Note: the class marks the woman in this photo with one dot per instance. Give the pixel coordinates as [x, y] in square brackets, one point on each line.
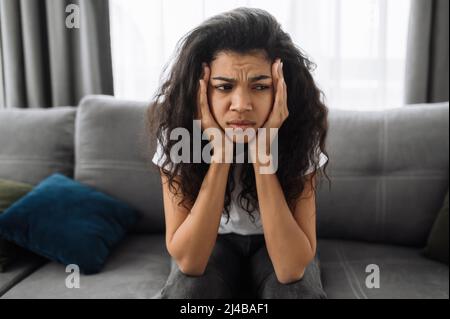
[230, 223]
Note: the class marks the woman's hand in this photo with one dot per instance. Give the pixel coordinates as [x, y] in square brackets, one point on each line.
[276, 117]
[209, 125]
[280, 110]
[203, 113]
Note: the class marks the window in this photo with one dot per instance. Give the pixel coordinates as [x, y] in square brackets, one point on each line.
[359, 46]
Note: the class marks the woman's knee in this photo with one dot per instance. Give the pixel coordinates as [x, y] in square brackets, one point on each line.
[210, 285]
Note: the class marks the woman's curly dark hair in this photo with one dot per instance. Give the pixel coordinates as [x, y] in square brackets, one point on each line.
[300, 138]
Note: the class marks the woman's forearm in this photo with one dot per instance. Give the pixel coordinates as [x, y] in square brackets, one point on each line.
[287, 244]
[194, 240]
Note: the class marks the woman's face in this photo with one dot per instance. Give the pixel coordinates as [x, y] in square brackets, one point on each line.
[240, 90]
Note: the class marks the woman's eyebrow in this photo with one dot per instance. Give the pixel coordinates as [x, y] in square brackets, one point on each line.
[252, 79]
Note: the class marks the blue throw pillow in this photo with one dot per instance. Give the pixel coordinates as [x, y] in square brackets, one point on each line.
[68, 222]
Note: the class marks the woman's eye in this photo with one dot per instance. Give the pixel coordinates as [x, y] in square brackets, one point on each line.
[261, 87]
[227, 87]
[224, 87]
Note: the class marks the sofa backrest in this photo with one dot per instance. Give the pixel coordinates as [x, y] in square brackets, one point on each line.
[112, 154]
[389, 169]
[389, 174]
[35, 143]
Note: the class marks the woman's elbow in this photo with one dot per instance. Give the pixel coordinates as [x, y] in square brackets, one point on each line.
[294, 274]
[191, 269]
[185, 263]
[292, 277]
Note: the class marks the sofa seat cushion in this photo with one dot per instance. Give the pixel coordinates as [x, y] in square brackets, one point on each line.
[138, 268]
[404, 271]
[24, 265]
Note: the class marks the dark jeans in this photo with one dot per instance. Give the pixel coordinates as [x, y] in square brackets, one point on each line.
[240, 267]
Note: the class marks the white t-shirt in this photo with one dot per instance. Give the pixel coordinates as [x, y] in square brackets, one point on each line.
[240, 221]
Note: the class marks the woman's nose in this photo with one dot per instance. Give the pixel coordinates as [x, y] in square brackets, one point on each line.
[241, 101]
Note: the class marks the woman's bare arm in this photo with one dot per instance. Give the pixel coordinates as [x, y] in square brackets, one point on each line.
[191, 235]
[290, 236]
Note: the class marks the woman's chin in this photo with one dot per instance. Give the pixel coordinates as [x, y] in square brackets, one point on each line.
[239, 136]
[240, 141]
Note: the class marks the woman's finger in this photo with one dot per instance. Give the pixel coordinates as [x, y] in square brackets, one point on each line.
[284, 86]
[280, 88]
[275, 80]
[285, 95]
[206, 72]
[200, 94]
[275, 76]
[198, 113]
[204, 90]
[204, 107]
[283, 92]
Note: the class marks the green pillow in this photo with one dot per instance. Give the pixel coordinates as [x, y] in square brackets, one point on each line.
[437, 246]
[10, 192]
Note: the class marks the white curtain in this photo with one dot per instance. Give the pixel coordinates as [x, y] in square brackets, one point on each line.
[359, 46]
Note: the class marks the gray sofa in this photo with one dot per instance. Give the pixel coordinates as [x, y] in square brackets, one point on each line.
[389, 173]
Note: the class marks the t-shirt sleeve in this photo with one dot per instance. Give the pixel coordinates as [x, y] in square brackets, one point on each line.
[159, 157]
[322, 160]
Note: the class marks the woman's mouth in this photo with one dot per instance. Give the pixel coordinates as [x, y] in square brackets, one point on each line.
[242, 124]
